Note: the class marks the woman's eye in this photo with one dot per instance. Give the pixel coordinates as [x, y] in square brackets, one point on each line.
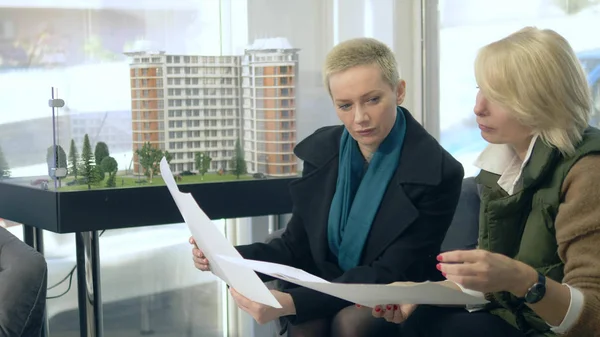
[344, 107]
[374, 100]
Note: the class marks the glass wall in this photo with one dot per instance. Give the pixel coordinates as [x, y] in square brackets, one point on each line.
[113, 65]
[88, 55]
[467, 25]
[149, 285]
[224, 89]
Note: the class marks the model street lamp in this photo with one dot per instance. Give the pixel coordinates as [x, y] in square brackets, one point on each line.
[56, 173]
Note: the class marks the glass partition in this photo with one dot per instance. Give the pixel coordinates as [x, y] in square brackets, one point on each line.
[134, 81]
[467, 25]
[223, 89]
[149, 284]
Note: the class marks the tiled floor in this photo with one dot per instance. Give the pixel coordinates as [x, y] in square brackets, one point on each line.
[187, 313]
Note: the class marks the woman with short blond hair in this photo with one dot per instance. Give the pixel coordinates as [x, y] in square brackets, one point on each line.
[538, 260]
[369, 208]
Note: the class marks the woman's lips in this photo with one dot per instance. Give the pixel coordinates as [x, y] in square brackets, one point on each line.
[365, 132]
[485, 128]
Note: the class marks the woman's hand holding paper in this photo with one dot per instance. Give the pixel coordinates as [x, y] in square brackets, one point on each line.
[200, 260]
[396, 313]
[263, 313]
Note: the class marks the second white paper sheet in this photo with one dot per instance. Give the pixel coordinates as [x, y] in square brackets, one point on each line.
[214, 245]
[368, 295]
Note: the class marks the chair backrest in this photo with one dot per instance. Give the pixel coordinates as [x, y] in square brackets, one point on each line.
[23, 281]
[464, 229]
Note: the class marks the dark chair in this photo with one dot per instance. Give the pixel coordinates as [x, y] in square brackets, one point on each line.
[464, 229]
[23, 281]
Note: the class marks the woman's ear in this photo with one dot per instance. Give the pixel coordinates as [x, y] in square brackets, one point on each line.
[400, 92]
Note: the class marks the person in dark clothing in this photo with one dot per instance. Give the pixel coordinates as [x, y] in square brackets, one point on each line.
[376, 197]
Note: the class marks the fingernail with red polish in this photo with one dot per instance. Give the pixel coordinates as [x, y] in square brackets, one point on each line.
[439, 267]
[377, 309]
[389, 307]
[358, 305]
[395, 307]
[440, 258]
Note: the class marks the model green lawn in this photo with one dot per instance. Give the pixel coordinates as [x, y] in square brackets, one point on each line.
[127, 182]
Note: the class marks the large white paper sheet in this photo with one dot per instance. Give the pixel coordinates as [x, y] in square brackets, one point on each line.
[214, 245]
[368, 295]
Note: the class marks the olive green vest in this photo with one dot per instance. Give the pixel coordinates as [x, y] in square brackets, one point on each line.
[521, 226]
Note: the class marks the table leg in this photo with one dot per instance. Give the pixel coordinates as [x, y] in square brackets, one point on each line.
[29, 235]
[88, 284]
[34, 237]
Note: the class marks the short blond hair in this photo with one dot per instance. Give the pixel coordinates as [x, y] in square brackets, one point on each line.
[360, 52]
[536, 75]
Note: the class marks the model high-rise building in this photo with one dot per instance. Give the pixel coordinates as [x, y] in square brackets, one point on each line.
[186, 104]
[270, 69]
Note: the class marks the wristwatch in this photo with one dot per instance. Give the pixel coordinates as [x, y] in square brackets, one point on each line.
[537, 290]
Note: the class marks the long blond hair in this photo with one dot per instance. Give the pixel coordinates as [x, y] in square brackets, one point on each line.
[536, 75]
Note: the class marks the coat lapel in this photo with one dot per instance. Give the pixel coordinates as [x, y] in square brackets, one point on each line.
[415, 172]
[312, 196]
[396, 214]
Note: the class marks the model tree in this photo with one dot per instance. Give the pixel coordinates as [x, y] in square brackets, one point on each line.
[238, 163]
[100, 153]
[56, 159]
[149, 158]
[4, 168]
[60, 158]
[168, 156]
[202, 163]
[88, 164]
[73, 160]
[110, 166]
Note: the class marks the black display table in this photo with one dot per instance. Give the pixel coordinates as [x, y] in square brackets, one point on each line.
[87, 212]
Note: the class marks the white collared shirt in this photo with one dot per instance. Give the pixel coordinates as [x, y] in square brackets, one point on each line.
[502, 159]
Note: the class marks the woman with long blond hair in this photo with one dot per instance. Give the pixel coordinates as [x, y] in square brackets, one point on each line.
[538, 260]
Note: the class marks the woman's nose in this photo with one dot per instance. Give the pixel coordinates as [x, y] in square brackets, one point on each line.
[480, 107]
[478, 111]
